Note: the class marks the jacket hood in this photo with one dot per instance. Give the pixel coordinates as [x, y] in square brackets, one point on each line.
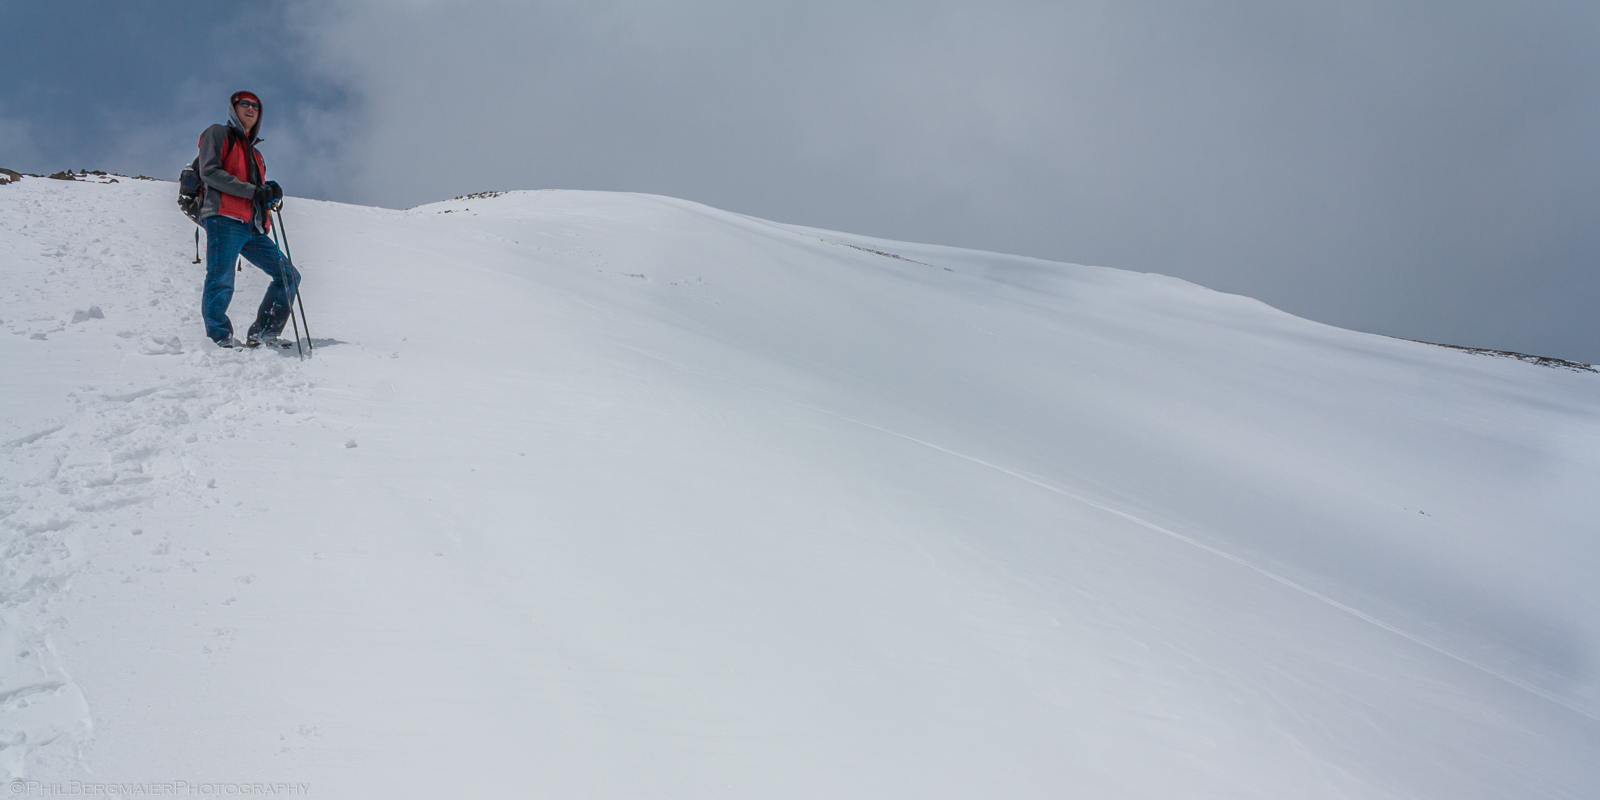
[233, 115]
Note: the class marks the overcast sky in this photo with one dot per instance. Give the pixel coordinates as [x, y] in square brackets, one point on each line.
[1426, 170]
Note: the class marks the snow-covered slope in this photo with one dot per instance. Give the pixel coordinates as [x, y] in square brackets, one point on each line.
[607, 495]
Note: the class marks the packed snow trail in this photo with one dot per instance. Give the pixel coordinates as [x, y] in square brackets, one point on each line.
[614, 495]
[84, 295]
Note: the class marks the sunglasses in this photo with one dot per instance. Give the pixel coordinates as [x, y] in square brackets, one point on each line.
[249, 104]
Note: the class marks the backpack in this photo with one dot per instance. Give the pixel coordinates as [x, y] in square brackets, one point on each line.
[191, 191]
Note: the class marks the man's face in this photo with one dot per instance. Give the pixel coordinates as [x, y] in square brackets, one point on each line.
[248, 110]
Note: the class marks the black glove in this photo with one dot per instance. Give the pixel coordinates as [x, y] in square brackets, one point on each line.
[269, 196]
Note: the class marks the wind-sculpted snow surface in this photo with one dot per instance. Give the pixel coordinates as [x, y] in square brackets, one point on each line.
[593, 494]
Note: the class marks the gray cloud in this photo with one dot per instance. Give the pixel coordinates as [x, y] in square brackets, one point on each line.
[128, 87]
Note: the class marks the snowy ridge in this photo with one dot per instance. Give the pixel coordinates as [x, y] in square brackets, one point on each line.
[600, 494]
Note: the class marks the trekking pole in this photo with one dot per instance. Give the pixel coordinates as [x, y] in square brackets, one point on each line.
[284, 276]
[303, 323]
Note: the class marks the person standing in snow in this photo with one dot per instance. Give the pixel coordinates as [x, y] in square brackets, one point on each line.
[236, 219]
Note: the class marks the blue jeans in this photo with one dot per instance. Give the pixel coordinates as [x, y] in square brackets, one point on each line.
[227, 239]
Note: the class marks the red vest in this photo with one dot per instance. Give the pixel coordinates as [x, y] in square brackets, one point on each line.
[239, 208]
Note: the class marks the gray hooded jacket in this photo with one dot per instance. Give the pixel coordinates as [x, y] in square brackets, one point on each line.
[219, 180]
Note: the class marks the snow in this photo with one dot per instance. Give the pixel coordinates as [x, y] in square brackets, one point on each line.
[593, 494]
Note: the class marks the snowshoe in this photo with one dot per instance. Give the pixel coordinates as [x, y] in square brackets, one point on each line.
[268, 340]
